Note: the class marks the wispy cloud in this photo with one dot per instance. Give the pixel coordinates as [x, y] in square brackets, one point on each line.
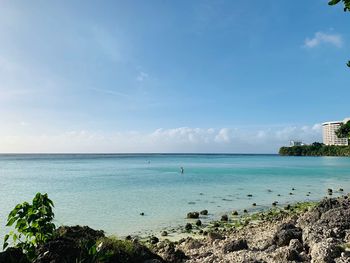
[327, 38]
[110, 92]
[142, 76]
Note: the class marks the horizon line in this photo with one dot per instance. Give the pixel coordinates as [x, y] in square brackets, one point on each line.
[135, 153]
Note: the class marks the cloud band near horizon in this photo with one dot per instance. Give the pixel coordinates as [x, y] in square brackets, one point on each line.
[179, 140]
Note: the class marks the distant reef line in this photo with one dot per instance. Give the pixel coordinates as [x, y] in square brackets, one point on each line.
[315, 149]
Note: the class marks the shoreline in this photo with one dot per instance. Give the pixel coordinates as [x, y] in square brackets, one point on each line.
[315, 232]
[177, 232]
[110, 193]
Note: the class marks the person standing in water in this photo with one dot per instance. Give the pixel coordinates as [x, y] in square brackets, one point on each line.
[182, 170]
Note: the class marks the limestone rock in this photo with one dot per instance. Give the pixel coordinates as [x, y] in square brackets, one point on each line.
[235, 245]
[285, 233]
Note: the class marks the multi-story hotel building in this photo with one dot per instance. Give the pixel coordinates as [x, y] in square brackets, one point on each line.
[329, 136]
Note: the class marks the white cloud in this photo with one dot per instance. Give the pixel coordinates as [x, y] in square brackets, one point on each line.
[317, 127]
[23, 123]
[183, 139]
[321, 37]
[224, 136]
[142, 76]
[110, 92]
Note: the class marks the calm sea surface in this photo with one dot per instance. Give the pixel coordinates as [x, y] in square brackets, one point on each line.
[110, 191]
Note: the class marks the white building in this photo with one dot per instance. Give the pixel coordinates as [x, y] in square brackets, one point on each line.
[295, 143]
[329, 136]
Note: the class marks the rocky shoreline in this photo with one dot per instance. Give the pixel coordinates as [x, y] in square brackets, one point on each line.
[304, 232]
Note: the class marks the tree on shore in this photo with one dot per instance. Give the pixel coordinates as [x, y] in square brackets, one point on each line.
[315, 149]
[346, 8]
[344, 130]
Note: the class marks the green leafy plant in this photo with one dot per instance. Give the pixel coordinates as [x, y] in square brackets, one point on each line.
[32, 222]
[105, 249]
[111, 249]
[345, 2]
[346, 8]
[97, 255]
[344, 130]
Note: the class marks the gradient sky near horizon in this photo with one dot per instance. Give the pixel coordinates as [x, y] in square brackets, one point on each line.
[170, 76]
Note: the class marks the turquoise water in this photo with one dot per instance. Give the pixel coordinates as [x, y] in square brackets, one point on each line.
[110, 191]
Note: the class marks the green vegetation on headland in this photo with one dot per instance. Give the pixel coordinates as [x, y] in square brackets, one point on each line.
[344, 130]
[315, 149]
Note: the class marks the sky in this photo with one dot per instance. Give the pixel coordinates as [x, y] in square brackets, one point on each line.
[170, 76]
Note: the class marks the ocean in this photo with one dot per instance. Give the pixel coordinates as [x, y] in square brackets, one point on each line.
[109, 191]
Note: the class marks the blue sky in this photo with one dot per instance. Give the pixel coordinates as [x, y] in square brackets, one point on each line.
[170, 76]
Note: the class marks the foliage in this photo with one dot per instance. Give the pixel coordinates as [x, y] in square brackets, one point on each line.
[34, 233]
[111, 249]
[91, 253]
[344, 130]
[32, 222]
[315, 149]
[345, 2]
[346, 8]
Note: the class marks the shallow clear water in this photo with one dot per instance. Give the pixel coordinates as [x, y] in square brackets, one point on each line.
[109, 191]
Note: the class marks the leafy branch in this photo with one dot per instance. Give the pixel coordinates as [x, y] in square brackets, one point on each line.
[346, 4]
[32, 222]
[346, 8]
[344, 130]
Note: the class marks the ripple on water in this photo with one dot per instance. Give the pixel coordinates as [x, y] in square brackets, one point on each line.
[80, 185]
